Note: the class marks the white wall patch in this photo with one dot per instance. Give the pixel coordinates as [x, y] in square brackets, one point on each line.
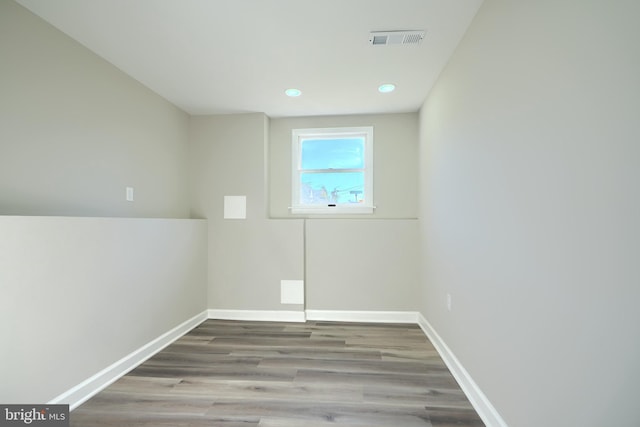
[235, 207]
[292, 292]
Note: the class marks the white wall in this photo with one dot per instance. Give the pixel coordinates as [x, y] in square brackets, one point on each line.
[75, 130]
[247, 257]
[530, 209]
[362, 265]
[79, 294]
[364, 262]
[238, 155]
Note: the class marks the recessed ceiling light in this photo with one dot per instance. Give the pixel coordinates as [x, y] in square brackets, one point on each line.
[386, 88]
[293, 92]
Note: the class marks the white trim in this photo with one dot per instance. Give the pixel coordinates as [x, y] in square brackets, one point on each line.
[258, 315]
[335, 210]
[363, 316]
[82, 392]
[480, 402]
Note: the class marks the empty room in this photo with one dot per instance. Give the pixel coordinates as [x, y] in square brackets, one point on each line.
[349, 213]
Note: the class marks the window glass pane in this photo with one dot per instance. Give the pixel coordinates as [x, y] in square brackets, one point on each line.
[329, 188]
[342, 153]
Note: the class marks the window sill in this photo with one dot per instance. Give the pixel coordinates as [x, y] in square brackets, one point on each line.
[331, 210]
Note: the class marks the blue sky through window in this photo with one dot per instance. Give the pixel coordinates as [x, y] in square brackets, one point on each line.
[343, 153]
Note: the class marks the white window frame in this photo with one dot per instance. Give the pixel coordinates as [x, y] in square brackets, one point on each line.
[367, 206]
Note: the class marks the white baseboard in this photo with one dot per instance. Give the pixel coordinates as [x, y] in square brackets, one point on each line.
[258, 315]
[77, 395]
[480, 403]
[363, 316]
[321, 315]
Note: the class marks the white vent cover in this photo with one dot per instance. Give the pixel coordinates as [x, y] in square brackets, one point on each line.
[383, 38]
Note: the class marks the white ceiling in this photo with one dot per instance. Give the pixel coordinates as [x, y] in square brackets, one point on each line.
[231, 56]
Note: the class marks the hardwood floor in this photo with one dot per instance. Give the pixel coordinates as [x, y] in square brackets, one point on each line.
[267, 374]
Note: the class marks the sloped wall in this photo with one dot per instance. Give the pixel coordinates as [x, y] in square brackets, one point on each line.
[75, 131]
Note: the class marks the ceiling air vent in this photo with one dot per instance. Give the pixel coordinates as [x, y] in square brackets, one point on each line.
[383, 38]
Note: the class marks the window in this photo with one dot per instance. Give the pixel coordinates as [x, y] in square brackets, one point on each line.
[332, 171]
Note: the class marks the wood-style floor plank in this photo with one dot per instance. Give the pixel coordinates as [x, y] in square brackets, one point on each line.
[270, 374]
